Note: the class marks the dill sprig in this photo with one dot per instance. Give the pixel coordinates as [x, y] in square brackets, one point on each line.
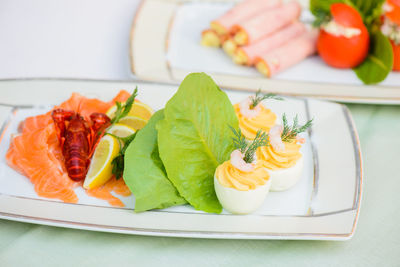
[259, 97]
[249, 149]
[289, 133]
[118, 162]
[124, 109]
[261, 139]
[239, 141]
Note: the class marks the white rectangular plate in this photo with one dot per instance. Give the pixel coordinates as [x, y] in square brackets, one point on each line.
[165, 46]
[323, 205]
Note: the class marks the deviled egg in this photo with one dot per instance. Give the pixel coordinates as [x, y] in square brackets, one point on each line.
[253, 115]
[284, 167]
[241, 183]
[282, 158]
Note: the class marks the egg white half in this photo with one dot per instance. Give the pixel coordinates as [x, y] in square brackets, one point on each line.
[283, 179]
[241, 202]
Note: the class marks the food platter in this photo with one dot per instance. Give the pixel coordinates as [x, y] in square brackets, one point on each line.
[173, 50]
[324, 205]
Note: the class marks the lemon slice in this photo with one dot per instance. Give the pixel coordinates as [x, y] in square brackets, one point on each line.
[133, 122]
[121, 130]
[100, 170]
[138, 109]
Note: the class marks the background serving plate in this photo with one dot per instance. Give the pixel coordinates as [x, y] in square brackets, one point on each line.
[165, 46]
[323, 205]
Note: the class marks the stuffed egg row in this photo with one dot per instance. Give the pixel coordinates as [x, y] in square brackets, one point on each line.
[268, 157]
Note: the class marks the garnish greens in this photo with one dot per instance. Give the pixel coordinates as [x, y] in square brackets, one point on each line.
[321, 17]
[248, 150]
[289, 133]
[239, 140]
[122, 111]
[379, 62]
[255, 100]
[370, 10]
[118, 162]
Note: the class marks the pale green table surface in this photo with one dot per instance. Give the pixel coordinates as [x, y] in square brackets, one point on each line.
[375, 243]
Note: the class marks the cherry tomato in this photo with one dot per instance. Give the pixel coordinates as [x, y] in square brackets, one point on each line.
[394, 14]
[396, 56]
[340, 51]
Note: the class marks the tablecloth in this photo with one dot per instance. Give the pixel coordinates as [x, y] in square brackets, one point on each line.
[81, 39]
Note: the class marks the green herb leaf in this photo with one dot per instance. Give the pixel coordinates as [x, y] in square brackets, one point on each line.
[261, 139]
[321, 17]
[194, 138]
[289, 133]
[370, 10]
[259, 97]
[324, 6]
[379, 62]
[145, 173]
[118, 166]
[123, 110]
[239, 141]
[118, 162]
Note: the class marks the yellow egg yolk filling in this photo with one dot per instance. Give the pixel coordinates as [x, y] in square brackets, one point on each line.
[274, 160]
[229, 176]
[249, 126]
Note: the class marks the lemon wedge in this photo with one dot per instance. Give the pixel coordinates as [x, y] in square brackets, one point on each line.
[138, 109]
[121, 130]
[133, 122]
[100, 170]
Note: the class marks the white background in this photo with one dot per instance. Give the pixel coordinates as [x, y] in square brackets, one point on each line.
[69, 39]
[90, 39]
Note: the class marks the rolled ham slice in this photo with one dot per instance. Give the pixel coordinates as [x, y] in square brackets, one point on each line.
[212, 39]
[246, 55]
[252, 30]
[240, 12]
[287, 55]
[229, 46]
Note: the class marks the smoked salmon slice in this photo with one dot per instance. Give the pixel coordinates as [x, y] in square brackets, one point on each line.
[86, 106]
[104, 192]
[36, 153]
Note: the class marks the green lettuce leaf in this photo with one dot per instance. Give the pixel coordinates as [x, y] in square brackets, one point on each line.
[379, 62]
[194, 138]
[144, 171]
